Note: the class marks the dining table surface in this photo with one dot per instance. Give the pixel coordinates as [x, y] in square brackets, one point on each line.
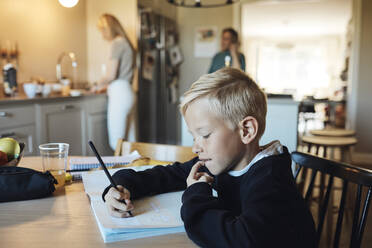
[64, 219]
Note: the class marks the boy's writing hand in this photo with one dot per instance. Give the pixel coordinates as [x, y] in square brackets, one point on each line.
[114, 202]
[196, 177]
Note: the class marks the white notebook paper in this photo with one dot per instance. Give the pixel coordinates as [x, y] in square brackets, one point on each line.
[155, 215]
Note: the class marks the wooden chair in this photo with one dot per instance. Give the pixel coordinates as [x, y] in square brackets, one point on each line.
[348, 174]
[343, 144]
[169, 153]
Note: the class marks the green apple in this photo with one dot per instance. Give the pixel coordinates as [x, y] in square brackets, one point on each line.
[10, 146]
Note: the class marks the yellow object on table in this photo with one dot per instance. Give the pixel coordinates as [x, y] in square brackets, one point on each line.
[68, 177]
[144, 161]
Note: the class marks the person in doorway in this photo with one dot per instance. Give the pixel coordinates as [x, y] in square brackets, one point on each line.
[229, 55]
[117, 81]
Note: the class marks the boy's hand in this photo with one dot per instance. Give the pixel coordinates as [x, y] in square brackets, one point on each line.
[114, 202]
[196, 177]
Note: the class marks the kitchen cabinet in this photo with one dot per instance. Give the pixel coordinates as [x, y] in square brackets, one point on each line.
[18, 122]
[72, 120]
[96, 126]
[63, 123]
[16, 115]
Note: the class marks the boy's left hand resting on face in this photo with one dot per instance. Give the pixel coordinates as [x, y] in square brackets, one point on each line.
[197, 177]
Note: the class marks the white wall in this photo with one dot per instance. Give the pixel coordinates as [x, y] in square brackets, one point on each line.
[360, 90]
[192, 68]
[188, 19]
[43, 30]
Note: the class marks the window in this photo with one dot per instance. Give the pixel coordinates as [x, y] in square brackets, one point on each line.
[302, 67]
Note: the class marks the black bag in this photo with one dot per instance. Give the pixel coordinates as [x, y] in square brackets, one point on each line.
[17, 184]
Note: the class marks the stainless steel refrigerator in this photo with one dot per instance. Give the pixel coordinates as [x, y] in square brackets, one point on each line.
[158, 117]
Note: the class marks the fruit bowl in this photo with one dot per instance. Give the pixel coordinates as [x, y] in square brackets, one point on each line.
[14, 162]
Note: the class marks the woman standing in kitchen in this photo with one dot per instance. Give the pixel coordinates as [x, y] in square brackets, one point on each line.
[117, 81]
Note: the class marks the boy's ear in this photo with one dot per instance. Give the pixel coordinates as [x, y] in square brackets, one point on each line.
[248, 129]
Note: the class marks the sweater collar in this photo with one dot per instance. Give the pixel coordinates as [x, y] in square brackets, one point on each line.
[270, 149]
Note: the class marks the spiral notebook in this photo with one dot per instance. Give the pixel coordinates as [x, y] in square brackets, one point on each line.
[87, 163]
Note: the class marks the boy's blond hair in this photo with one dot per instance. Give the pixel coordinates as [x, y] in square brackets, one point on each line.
[233, 95]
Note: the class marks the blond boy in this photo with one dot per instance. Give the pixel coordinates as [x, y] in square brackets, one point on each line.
[257, 203]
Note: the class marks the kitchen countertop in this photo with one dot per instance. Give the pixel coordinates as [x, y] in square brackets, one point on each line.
[22, 98]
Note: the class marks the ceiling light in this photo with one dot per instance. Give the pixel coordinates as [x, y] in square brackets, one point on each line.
[68, 3]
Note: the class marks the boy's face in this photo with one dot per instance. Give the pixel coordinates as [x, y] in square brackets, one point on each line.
[215, 142]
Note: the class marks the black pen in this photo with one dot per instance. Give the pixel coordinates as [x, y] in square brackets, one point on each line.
[113, 184]
[78, 170]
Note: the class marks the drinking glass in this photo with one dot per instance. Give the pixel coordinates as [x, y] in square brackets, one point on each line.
[54, 157]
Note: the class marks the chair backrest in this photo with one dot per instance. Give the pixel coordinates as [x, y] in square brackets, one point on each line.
[170, 153]
[348, 174]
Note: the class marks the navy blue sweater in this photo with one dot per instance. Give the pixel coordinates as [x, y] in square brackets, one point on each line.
[261, 208]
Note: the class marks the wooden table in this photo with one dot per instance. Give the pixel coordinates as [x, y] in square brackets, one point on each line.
[63, 220]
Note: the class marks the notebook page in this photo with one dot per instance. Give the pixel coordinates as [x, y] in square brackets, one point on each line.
[96, 181]
[159, 211]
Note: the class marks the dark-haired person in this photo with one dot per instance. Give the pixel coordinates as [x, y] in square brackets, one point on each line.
[229, 56]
